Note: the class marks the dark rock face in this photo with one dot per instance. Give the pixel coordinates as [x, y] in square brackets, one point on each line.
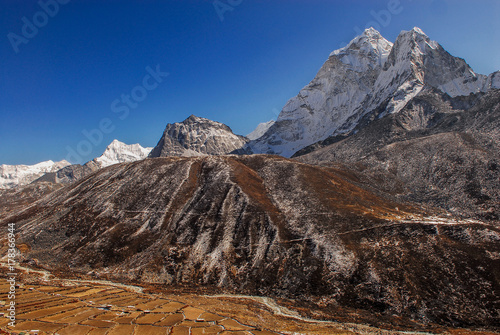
[444, 150]
[269, 226]
[76, 172]
[70, 173]
[197, 136]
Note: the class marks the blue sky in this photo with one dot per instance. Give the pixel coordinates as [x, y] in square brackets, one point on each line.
[241, 70]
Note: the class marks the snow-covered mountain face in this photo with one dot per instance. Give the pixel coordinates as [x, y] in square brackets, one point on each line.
[260, 130]
[337, 92]
[197, 136]
[12, 176]
[119, 152]
[368, 76]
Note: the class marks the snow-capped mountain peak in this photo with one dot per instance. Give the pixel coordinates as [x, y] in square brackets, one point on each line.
[370, 44]
[420, 37]
[369, 37]
[368, 76]
[119, 152]
[413, 43]
[419, 59]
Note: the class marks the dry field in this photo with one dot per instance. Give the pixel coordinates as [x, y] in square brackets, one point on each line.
[49, 305]
[100, 309]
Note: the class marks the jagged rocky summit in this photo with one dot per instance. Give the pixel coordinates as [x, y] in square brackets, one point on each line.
[197, 136]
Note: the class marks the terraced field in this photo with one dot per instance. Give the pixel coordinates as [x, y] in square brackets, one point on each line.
[101, 309]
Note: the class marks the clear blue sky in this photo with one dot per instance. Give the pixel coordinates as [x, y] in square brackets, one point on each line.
[240, 71]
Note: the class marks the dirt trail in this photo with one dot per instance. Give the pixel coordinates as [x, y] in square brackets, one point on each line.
[46, 275]
[282, 311]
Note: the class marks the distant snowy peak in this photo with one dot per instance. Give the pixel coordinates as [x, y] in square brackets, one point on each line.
[260, 130]
[12, 176]
[119, 152]
[197, 136]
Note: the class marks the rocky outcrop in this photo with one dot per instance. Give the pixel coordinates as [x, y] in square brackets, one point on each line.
[197, 136]
[71, 173]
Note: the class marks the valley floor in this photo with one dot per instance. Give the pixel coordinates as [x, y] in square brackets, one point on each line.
[49, 305]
